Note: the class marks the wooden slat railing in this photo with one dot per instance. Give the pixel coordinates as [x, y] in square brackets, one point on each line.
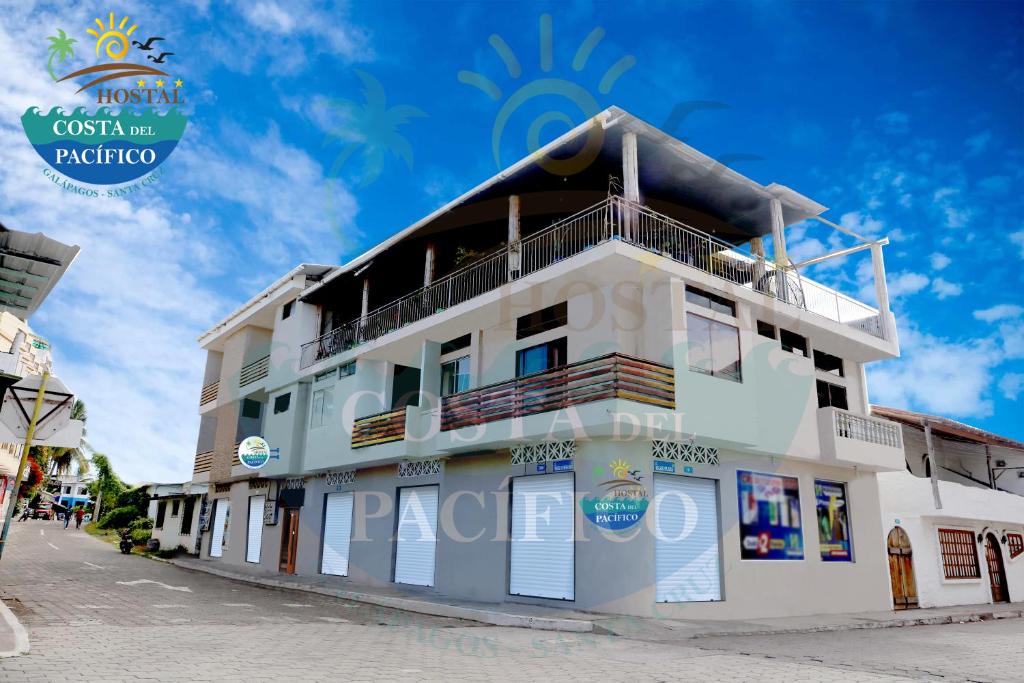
[204, 461]
[254, 371]
[209, 393]
[380, 428]
[615, 375]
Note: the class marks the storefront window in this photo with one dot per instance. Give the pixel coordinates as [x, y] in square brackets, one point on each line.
[770, 524]
[833, 521]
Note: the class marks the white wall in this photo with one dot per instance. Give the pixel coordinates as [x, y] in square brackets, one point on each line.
[907, 501]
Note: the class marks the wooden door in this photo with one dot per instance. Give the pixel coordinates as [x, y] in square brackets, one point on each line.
[289, 539]
[996, 575]
[901, 570]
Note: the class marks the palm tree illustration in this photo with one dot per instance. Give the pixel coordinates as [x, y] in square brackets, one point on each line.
[371, 128]
[60, 47]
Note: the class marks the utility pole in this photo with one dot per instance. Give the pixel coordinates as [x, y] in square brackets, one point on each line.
[24, 459]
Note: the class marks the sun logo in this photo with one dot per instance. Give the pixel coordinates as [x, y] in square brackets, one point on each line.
[620, 468]
[116, 39]
[576, 94]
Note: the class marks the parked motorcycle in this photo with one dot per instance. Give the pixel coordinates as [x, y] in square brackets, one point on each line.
[126, 542]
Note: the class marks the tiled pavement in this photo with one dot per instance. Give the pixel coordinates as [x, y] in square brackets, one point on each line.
[93, 614]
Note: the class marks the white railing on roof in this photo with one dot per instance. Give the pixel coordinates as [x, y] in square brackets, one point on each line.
[614, 218]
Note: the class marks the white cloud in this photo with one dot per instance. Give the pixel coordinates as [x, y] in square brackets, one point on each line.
[865, 226]
[1011, 385]
[999, 312]
[976, 144]
[906, 283]
[944, 289]
[939, 261]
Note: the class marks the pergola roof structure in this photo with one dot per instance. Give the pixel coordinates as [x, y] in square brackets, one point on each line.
[30, 266]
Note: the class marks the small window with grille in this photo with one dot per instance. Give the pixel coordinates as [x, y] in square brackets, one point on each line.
[959, 554]
[1015, 543]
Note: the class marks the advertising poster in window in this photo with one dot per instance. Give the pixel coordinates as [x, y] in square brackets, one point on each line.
[833, 521]
[770, 525]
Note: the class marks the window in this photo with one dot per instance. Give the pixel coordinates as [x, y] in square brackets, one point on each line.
[186, 516]
[251, 408]
[456, 344]
[714, 347]
[826, 362]
[323, 405]
[959, 554]
[543, 320]
[455, 376]
[1015, 542]
[175, 507]
[793, 342]
[831, 395]
[348, 369]
[540, 357]
[282, 403]
[716, 303]
[765, 330]
[67, 489]
[161, 512]
[286, 310]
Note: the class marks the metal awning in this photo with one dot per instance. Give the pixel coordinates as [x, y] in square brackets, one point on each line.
[30, 266]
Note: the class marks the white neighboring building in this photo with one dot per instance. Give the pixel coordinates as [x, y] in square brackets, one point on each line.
[175, 511]
[955, 520]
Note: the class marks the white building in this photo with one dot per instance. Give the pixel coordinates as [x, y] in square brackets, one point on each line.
[175, 511]
[955, 518]
[555, 392]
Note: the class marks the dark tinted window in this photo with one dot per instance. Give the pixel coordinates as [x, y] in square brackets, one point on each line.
[250, 408]
[161, 512]
[282, 402]
[765, 330]
[793, 342]
[540, 357]
[826, 362]
[543, 320]
[831, 395]
[716, 303]
[456, 344]
[287, 310]
[186, 517]
[175, 507]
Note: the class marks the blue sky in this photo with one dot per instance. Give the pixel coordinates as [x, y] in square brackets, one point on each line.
[904, 118]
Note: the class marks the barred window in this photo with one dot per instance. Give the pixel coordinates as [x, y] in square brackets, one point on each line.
[1016, 544]
[959, 554]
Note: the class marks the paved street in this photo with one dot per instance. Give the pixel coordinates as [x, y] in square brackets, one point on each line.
[94, 614]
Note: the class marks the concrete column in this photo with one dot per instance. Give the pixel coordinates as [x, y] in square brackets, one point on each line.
[757, 275]
[366, 299]
[778, 233]
[933, 464]
[515, 252]
[428, 266]
[881, 289]
[630, 170]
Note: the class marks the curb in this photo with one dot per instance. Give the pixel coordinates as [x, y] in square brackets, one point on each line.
[492, 617]
[21, 644]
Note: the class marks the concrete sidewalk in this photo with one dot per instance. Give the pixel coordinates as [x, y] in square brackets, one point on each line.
[13, 636]
[425, 601]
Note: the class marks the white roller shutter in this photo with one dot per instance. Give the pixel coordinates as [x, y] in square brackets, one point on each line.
[220, 514]
[417, 536]
[543, 556]
[254, 534]
[686, 539]
[337, 533]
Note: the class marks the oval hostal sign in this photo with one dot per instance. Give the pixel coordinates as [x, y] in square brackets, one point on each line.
[253, 452]
[624, 502]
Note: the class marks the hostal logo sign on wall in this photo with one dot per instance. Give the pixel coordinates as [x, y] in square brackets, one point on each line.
[624, 502]
[133, 75]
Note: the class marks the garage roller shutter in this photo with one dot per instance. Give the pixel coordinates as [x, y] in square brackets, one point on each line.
[220, 514]
[254, 534]
[686, 543]
[543, 563]
[417, 536]
[337, 534]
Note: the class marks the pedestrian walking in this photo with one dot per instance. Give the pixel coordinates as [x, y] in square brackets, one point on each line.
[79, 513]
[25, 513]
[67, 517]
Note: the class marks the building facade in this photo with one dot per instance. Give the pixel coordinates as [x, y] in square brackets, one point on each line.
[175, 510]
[556, 391]
[954, 518]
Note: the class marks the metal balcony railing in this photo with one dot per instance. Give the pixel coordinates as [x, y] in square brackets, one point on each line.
[615, 375]
[868, 429]
[614, 218]
[254, 371]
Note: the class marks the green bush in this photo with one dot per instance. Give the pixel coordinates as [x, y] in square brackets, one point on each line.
[141, 523]
[118, 518]
[140, 536]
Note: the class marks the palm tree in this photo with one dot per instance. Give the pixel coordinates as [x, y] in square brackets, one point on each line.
[60, 47]
[372, 127]
[61, 459]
